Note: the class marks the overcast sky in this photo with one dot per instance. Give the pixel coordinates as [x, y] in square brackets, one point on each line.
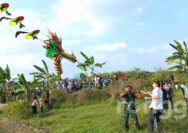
[124, 33]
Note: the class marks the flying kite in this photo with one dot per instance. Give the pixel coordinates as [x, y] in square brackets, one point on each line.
[14, 21]
[32, 34]
[55, 51]
[4, 7]
[53, 45]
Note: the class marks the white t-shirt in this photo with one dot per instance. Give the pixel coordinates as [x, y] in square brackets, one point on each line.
[157, 103]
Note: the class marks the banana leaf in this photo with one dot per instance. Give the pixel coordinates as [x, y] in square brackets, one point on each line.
[84, 55]
[82, 67]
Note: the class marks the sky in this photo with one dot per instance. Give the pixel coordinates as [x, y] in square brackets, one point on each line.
[124, 33]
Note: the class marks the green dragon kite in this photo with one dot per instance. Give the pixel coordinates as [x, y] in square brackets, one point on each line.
[55, 51]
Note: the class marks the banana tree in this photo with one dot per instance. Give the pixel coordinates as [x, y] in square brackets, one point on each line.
[42, 73]
[179, 57]
[2, 85]
[5, 83]
[22, 82]
[90, 64]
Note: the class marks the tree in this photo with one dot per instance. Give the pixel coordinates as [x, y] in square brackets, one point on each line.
[42, 74]
[5, 82]
[179, 57]
[23, 84]
[89, 63]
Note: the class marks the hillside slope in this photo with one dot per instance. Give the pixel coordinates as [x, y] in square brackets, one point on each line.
[105, 117]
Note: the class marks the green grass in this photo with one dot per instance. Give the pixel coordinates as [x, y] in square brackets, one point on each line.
[102, 117]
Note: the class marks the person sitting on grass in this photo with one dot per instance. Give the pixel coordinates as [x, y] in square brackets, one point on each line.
[34, 105]
[156, 107]
[184, 91]
[130, 109]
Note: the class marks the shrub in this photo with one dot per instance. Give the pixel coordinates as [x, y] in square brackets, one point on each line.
[58, 96]
[18, 109]
[88, 96]
[93, 95]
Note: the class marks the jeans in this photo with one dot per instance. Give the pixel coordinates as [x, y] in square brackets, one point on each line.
[47, 104]
[170, 99]
[34, 109]
[154, 114]
[42, 109]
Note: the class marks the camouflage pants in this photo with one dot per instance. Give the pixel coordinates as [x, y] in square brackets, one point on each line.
[131, 113]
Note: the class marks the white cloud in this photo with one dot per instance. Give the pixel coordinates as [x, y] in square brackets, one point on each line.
[105, 48]
[9, 45]
[140, 23]
[98, 28]
[145, 58]
[171, 5]
[140, 10]
[71, 42]
[68, 13]
[20, 61]
[71, 11]
[150, 50]
[121, 56]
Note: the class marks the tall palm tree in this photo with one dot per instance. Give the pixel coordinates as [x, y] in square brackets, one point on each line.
[42, 74]
[179, 57]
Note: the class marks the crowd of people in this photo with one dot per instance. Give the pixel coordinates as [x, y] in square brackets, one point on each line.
[71, 85]
[161, 101]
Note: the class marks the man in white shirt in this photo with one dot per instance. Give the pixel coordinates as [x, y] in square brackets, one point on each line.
[156, 106]
[184, 91]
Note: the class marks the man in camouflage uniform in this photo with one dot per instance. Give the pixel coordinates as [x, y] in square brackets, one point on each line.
[130, 108]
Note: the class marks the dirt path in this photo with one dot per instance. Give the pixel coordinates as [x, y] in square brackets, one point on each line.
[2, 106]
[10, 126]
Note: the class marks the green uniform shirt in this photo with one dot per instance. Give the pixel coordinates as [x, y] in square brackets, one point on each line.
[130, 102]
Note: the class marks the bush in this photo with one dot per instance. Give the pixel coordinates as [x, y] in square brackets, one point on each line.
[18, 109]
[58, 96]
[93, 95]
[184, 79]
[87, 96]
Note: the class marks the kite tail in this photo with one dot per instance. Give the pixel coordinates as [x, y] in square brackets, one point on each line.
[57, 63]
[70, 57]
[8, 13]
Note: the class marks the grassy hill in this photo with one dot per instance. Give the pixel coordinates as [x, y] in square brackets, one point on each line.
[103, 117]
